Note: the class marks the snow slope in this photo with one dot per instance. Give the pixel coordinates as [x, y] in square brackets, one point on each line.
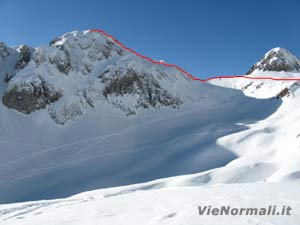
[110, 149]
[166, 204]
[271, 146]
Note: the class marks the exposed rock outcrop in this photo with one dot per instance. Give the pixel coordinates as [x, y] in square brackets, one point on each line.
[24, 57]
[61, 60]
[148, 90]
[28, 97]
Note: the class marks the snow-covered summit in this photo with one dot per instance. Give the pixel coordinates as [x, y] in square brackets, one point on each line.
[277, 59]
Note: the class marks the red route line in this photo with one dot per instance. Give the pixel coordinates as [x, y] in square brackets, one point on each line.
[186, 73]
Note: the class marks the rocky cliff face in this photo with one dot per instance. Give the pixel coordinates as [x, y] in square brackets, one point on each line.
[28, 97]
[144, 86]
[24, 57]
[80, 69]
[277, 59]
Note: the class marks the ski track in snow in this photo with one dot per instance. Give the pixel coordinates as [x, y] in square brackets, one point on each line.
[98, 139]
[95, 140]
[84, 150]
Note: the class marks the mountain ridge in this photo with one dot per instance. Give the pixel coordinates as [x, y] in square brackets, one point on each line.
[33, 82]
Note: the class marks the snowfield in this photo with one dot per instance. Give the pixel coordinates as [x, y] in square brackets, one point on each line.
[142, 143]
[160, 202]
[109, 149]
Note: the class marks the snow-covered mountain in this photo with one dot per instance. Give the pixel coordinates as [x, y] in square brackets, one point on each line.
[83, 114]
[82, 69]
[277, 59]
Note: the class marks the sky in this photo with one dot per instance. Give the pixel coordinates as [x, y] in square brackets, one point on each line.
[204, 37]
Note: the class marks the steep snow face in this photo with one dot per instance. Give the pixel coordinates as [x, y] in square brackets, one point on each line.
[277, 59]
[81, 69]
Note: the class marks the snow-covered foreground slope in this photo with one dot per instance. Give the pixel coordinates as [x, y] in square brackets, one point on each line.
[172, 204]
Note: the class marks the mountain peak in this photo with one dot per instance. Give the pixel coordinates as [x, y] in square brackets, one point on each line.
[277, 59]
[278, 49]
[280, 52]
